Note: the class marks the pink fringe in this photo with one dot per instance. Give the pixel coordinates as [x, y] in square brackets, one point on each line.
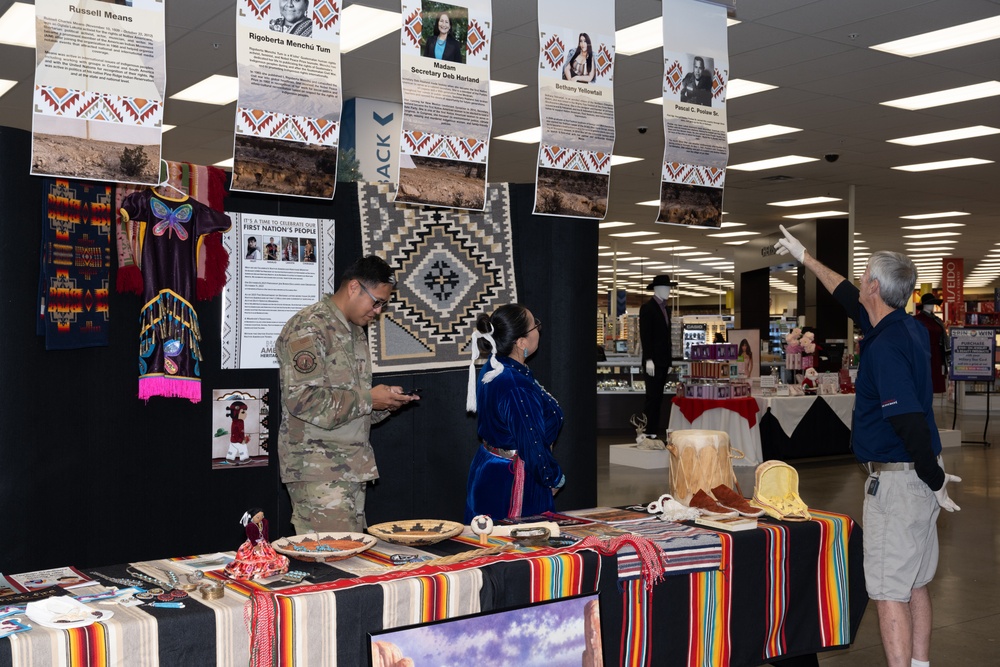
[517, 490]
[188, 388]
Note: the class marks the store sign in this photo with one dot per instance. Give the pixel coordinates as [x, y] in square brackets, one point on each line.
[972, 353]
[953, 290]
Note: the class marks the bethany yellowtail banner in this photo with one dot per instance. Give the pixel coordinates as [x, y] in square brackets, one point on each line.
[445, 76]
[576, 65]
[100, 74]
[695, 77]
[290, 99]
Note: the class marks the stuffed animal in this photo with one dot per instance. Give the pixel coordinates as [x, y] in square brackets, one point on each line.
[808, 342]
[793, 351]
[808, 348]
[810, 382]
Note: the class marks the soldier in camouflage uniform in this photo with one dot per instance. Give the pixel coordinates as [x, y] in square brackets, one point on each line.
[328, 403]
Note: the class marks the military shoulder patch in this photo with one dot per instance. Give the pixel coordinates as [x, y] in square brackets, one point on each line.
[305, 361]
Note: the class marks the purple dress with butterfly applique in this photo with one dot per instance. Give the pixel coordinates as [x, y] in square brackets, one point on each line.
[169, 336]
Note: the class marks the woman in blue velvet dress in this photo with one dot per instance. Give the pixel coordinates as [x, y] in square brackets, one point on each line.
[513, 473]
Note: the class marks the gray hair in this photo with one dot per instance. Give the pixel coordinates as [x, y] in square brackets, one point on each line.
[896, 275]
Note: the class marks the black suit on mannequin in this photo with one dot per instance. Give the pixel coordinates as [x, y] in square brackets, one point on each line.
[654, 333]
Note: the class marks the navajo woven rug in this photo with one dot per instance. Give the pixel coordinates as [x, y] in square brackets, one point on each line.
[451, 265]
[75, 264]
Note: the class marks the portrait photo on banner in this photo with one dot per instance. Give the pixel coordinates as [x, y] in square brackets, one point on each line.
[444, 28]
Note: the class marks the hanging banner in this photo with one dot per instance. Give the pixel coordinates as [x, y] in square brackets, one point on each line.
[953, 290]
[445, 74]
[100, 75]
[290, 99]
[278, 266]
[576, 105]
[695, 75]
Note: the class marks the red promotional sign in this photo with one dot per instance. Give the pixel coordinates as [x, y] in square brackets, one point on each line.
[952, 289]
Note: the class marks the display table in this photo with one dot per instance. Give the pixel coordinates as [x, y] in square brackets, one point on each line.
[781, 589]
[794, 427]
[736, 416]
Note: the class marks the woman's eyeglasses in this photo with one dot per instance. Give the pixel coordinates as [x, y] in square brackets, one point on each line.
[538, 325]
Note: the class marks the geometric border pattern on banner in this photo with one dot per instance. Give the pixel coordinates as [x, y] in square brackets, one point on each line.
[560, 157]
[90, 105]
[425, 144]
[275, 125]
[692, 174]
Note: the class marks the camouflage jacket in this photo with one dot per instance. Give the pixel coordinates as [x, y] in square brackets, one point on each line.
[326, 402]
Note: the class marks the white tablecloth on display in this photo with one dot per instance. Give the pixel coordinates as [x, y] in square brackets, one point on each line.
[741, 435]
[789, 410]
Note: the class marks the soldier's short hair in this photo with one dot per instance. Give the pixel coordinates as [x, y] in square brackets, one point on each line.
[371, 270]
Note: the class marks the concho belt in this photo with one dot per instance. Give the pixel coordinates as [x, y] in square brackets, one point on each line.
[502, 453]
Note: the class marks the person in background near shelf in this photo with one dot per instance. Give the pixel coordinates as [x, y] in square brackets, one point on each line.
[513, 472]
[657, 354]
[328, 403]
[940, 349]
[894, 435]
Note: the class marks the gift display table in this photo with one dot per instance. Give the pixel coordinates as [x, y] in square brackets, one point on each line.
[781, 589]
[736, 416]
[794, 427]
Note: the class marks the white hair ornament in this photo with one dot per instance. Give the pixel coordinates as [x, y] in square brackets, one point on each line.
[495, 366]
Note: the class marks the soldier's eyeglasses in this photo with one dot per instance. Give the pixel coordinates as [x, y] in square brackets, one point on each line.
[376, 302]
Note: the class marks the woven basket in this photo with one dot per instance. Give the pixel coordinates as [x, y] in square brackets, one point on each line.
[323, 547]
[416, 532]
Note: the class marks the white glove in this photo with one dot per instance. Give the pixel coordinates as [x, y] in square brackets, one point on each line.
[941, 494]
[650, 367]
[790, 245]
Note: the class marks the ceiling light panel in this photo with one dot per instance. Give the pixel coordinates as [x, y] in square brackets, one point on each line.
[976, 91]
[363, 25]
[804, 202]
[948, 135]
[773, 163]
[943, 164]
[759, 132]
[816, 214]
[944, 39]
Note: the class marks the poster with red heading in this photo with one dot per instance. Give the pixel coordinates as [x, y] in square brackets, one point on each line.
[445, 79]
[695, 78]
[953, 290]
[576, 64]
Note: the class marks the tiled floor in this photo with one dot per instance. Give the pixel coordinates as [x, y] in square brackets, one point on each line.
[966, 592]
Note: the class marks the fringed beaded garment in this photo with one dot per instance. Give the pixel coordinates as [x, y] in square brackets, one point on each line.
[171, 234]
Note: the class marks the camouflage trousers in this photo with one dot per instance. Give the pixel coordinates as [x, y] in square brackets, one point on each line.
[337, 506]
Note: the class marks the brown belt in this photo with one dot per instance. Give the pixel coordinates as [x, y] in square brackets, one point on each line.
[502, 453]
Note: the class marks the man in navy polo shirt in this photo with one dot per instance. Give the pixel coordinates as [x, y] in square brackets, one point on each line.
[895, 436]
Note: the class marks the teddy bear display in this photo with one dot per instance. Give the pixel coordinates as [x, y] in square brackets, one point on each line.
[808, 348]
[793, 350]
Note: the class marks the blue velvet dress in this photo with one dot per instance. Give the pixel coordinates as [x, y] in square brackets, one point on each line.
[515, 413]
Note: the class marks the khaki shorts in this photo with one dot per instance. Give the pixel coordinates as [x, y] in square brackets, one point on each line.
[900, 538]
[327, 506]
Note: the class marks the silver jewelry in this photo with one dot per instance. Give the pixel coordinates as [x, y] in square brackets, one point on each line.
[152, 580]
[118, 580]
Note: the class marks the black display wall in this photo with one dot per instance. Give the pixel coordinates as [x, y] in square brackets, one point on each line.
[91, 475]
